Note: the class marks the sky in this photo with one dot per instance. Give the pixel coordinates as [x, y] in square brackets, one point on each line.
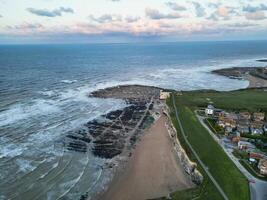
[104, 21]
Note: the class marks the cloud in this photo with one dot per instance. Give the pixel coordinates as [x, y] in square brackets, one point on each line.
[131, 19]
[200, 10]
[50, 13]
[155, 14]
[26, 28]
[242, 25]
[213, 17]
[258, 15]
[252, 9]
[175, 6]
[214, 5]
[222, 13]
[106, 18]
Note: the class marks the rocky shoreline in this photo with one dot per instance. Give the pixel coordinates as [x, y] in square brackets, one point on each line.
[117, 131]
[240, 72]
[257, 76]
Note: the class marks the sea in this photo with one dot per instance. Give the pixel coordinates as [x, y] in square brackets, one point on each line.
[44, 95]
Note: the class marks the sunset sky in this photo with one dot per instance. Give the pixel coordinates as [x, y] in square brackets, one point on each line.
[79, 21]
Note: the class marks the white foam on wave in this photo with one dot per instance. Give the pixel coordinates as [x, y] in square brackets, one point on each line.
[10, 149]
[68, 81]
[22, 111]
[25, 165]
[48, 93]
[190, 79]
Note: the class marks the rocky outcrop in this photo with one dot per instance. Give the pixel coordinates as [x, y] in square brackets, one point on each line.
[241, 72]
[128, 92]
[109, 135]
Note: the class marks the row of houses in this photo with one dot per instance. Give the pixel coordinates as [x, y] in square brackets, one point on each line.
[254, 157]
[243, 122]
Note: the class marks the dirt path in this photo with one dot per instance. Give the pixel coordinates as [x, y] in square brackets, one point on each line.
[152, 171]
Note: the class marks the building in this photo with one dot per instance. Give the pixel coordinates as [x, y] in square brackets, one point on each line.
[263, 166]
[258, 116]
[228, 129]
[256, 127]
[235, 139]
[245, 115]
[209, 110]
[164, 95]
[254, 155]
[227, 119]
[242, 145]
[242, 126]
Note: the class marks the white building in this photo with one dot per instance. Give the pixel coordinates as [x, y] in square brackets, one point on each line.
[209, 110]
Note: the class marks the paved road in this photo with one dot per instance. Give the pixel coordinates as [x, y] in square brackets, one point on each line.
[195, 154]
[258, 190]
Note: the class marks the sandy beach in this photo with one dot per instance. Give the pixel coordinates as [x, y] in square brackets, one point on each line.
[152, 171]
[256, 82]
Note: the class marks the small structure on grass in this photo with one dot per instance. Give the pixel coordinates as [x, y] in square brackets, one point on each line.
[164, 95]
[209, 110]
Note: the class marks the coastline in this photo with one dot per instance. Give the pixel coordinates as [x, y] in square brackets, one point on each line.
[256, 76]
[152, 171]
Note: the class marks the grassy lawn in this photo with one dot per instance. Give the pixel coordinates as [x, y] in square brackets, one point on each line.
[211, 123]
[205, 191]
[223, 170]
[242, 100]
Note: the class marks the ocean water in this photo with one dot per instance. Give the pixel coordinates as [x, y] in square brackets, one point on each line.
[44, 96]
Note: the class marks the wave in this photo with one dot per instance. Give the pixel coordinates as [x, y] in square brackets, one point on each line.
[68, 81]
[21, 111]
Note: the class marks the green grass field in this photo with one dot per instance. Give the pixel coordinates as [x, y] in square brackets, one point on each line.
[247, 100]
[206, 191]
[223, 170]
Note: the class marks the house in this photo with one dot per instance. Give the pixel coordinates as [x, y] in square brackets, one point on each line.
[235, 139]
[227, 119]
[256, 127]
[263, 166]
[243, 145]
[258, 116]
[242, 126]
[209, 110]
[164, 95]
[255, 155]
[245, 115]
[228, 129]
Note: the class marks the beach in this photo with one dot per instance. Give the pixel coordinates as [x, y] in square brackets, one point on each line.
[152, 171]
[256, 82]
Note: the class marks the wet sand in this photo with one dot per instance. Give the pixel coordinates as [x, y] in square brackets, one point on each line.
[152, 171]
